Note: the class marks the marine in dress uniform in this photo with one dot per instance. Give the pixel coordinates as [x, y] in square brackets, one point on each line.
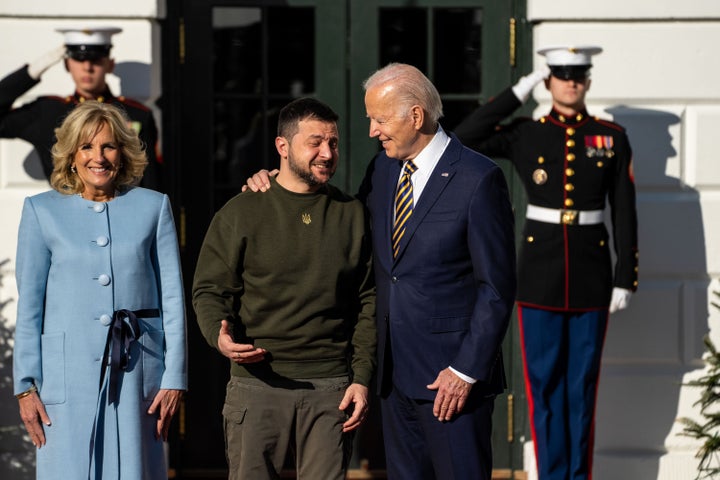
[570, 164]
[35, 122]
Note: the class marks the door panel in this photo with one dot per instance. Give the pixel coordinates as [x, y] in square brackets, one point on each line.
[250, 86]
[237, 63]
[461, 45]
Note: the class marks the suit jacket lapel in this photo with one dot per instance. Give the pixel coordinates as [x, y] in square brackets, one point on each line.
[390, 186]
[439, 179]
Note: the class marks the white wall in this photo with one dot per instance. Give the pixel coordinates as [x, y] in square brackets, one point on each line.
[657, 77]
[614, 10]
[147, 9]
[27, 30]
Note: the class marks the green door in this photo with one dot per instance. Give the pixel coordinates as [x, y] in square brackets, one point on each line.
[231, 64]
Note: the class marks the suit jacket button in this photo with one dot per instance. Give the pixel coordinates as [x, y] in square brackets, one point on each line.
[103, 280]
[99, 207]
[105, 319]
[102, 241]
[394, 279]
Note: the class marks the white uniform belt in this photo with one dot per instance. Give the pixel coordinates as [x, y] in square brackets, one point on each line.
[564, 216]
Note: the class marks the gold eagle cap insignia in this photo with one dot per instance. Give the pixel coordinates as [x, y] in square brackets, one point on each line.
[306, 219]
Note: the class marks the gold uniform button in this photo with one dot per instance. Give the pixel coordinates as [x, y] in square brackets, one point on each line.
[602, 243]
[561, 118]
[600, 164]
[543, 120]
[570, 157]
[635, 283]
[569, 202]
[541, 160]
[579, 117]
[570, 143]
[569, 172]
[636, 269]
[569, 187]
[570, 131]
[530, 239]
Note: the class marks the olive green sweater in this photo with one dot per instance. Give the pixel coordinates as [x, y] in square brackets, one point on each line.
[292, 273]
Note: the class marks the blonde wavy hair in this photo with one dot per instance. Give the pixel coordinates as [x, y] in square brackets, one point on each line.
[78, 128]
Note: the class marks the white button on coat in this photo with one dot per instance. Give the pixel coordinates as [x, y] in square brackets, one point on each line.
[103, 279]
[102, 241]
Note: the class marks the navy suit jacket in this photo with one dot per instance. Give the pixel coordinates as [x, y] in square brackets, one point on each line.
[447, 298]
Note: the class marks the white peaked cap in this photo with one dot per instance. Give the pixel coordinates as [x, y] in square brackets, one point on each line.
[560, 55]
[89, 35]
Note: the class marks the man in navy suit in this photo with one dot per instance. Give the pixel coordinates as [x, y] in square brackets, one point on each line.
[445, 271]
[445, 285]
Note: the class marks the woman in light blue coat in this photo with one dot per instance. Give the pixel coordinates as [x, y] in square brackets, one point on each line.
[100, 350]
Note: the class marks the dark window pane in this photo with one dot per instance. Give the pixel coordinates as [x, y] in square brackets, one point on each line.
[249, 42]
[244, 143]
[291, 51]
[457, 50]
[263, 57]
[455, 111]
[403, 36]
[237, 49]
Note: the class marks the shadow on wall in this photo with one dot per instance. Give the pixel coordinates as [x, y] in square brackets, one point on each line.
[33, 166]
[17, 454]
[134, 80]
[652, 344]
[134, 83]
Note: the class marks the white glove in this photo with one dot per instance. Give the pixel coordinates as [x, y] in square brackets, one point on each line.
[620, 299]
[526, 84]
[38, 66]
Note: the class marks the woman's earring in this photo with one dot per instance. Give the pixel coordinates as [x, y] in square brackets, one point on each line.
[73, 169]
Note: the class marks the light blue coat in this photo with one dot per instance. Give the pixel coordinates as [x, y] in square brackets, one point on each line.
[77, 262]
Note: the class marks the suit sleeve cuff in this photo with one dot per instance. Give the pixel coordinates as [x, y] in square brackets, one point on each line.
[463, 376]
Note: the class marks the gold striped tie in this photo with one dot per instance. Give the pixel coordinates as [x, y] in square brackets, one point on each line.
[403, 205]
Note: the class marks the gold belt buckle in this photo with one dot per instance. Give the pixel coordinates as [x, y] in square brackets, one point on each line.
[569, 217]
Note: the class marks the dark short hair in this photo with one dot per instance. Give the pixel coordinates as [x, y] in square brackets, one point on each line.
[302, 109]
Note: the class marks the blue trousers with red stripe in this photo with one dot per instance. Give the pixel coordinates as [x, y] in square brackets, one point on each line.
[561, 356]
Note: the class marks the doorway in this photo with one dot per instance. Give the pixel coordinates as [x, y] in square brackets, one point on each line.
[229, 67]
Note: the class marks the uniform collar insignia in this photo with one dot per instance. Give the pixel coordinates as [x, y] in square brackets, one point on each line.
[568, 120]
[106, 97]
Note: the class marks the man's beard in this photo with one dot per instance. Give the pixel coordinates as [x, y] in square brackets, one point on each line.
[304, 175]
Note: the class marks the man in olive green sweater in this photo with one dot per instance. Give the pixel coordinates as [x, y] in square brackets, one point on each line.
[284, 288]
